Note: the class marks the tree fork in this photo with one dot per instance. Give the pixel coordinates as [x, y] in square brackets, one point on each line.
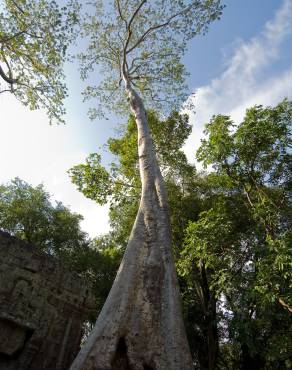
[140, 326]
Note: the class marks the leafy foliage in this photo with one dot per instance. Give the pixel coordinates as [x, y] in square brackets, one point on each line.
[28, 213]
[34, 39]
[243, 238]
[256, 159]
[141, 41]
[121, 183]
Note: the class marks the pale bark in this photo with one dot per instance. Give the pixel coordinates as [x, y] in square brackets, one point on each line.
[140, 326]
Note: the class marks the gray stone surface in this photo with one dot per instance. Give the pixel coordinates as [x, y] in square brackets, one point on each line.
[42, 309]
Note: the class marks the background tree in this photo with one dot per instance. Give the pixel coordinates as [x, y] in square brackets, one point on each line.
[28, 213]
[257, 160]
[34, 39]
[243, 240]
[139, 44]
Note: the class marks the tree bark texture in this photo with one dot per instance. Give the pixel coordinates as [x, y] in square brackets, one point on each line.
[140, 326]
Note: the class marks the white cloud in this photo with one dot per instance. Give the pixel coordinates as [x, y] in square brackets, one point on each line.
[39, 153]
[242, 84]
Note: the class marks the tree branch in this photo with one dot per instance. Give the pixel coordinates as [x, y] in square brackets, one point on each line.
[7, 79]
[124, 65]
[5, 90]
[285, 305]
[135, 14]
[8, 38]
[18, 7]
[158, 26]
[134, 60]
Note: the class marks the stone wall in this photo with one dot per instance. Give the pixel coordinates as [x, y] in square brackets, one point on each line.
[42, 309]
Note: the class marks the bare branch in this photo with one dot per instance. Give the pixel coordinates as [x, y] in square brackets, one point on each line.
[134, 84]
[7, 79]
[135, 14]
[129, 37]
[5, 90]
[157, 27]
[131, 72]
[8, 38]
[18, 7]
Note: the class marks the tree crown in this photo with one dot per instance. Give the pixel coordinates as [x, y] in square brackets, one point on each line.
[143, 42]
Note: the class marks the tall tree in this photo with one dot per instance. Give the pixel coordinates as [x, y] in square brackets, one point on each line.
[139, 45]
[34, 38]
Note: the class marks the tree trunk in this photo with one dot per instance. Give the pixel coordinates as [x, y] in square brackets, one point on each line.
[140, 326]
[209, 307]
[208, 346]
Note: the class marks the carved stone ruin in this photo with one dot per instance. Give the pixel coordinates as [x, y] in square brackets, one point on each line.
[42, 309]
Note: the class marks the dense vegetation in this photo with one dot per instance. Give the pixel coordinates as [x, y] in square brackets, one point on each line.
[231, 229]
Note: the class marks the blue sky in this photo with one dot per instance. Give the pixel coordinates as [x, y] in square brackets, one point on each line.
[245, 59]
[241, 20]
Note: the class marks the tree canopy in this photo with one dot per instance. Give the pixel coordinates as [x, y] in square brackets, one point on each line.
[143, 40]
[28, 213]
[240, 246]
[34, 40]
